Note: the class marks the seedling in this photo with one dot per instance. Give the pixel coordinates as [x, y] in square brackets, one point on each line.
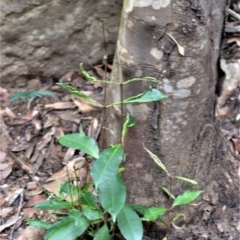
[103, 212]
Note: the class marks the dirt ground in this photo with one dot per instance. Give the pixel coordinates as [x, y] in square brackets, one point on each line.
[31, 159]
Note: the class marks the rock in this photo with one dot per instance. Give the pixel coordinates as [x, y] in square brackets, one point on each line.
[47, 38]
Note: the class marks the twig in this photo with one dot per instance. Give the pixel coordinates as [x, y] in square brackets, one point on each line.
[234, 14]
[18, 213]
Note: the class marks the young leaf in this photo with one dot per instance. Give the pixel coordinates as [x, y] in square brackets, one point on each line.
[68, 228]
[128, 122]
[70, 189]
[91, 214]
[74, 91]
[178, 215]
[53, 205]
[151, 214]
[168, 192]
[149, 95]
[186, 197]
[102, 233]
[106, 166]
[87, 75]
[112, 195]
[89, 199]
[37, 223]
[156, 160]
[130, 224]
[81, 142]
[187, 180]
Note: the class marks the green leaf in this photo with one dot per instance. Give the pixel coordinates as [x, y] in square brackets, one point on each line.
[68, 228]
[149, 95]
[178, 215]
[37, 223]
[81, 142]
[112, 194]
[151, 214]
[128, 122]
[138, 208]
[91, 214]
[187, 180]
[168, 192]
[129, 224]
[53, 205]
[70, 189]
[86, 75]
[89, 199]
[29, 95]
[187, 197]
[75, 92]
[156, 160]
[102, 233]
[106, 166]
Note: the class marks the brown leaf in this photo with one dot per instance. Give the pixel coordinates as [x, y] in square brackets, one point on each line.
[31, 233]
[45, 140]
[60, 105]
[20, 147]
[68, 155]
[10, 113]
[68, 116]
[70, 76]
[35, 200]
[58, 133]
[30, 115]
[6, 211]
[2, 156]
[236, 40]
[51, 120]
[5, 172]
[3, 94]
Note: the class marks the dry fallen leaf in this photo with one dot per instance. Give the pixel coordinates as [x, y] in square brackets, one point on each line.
[68, 155]
[35, 200]
[10, 113]
[6, 171]
[60, 105]
[179, 47]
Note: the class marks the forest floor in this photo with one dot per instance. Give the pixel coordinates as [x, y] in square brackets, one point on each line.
[31, 159]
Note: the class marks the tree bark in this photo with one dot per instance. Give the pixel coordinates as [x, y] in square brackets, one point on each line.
[182, 130]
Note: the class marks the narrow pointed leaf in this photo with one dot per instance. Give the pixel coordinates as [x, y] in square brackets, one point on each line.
[102, 233]
[81, 142]
[128, 122]
[53, 205]
[86, 75]
[106, 166]
[156, 160]
[151, 214]
[168, 192]
[187, 180]
[149, 95]
[178, 215]
[130, 224]
[187, 197]
[68, 228]
[112, 195]
[74, 91]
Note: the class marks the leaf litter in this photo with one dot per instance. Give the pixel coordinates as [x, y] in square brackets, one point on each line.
[31, 159]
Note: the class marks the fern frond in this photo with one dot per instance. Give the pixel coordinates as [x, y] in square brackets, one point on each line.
[29, 95]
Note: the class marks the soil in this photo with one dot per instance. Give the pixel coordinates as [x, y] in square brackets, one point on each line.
[32, 159]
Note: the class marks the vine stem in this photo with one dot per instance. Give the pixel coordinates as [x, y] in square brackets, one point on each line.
[104, 87]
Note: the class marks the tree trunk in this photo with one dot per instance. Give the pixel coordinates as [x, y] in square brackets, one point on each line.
[182, 130]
